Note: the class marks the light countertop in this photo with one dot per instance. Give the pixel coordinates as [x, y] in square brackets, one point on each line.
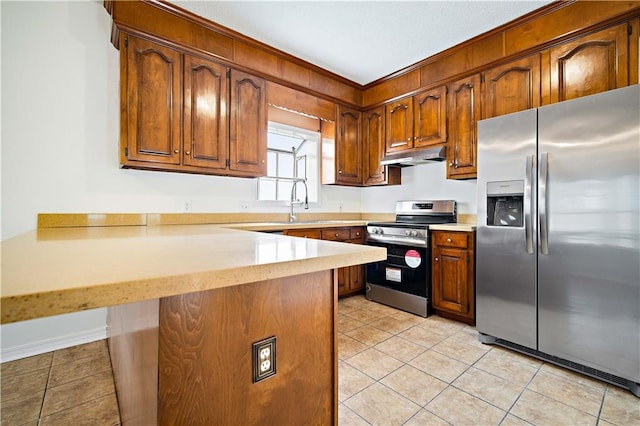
[52, 271]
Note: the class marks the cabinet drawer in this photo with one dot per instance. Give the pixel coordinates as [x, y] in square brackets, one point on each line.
[304, 233]
[451, 239]
[336, 234]
[357, 233]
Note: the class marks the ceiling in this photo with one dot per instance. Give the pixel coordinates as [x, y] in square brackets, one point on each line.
[362, 41]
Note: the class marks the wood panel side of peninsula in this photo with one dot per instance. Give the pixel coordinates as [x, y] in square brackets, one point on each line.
[188, 358]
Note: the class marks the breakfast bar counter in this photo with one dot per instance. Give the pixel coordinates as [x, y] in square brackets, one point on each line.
[187, 304]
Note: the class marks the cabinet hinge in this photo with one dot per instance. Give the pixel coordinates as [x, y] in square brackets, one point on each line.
[481, 78]
[126, 151]
[126, 42]
[228, 73]
[228, 163]
[629, 29]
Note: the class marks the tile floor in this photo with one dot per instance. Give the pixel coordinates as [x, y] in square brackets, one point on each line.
[394, 369]
[400, 369]
[72, 386]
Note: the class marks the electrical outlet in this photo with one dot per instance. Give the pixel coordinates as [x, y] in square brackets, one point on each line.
[187, 206]
[264, 359]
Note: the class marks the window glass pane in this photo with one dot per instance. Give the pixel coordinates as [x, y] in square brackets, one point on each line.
[285, 165]
[271, 163]
[266, 189]
[284, 190]
[301, 167]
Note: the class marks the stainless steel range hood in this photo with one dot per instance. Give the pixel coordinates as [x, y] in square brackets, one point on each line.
[415, 157]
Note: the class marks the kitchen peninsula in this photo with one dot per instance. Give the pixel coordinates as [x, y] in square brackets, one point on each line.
[187, 303]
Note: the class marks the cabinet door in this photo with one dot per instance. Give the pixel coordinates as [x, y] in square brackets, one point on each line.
[511, 87]
[463, 115]
[591, 64]
[151, 131]
[450, 280]
[205, 113]
[430, 117]
[399, 125]
[248, 125]
[356, 278]
[349, 147]
[373, 146]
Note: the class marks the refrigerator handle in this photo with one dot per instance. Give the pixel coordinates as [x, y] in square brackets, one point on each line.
[542, 203]
[528, 204]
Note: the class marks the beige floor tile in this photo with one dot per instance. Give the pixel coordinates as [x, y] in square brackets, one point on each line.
[421, 336]
[374, 363]
[368, 335]
[620, 407]
[460, 408]
[538, 409]
[24, 385]
[380, 405]
[346, 323]
[520, 357]
[80, 367]
[102, 411]
[506, 365]
[512, 420]
[584, 397]
[414, 384]
[400, 348]
[572, 376]
[25, 365]
[499, 392]
[469, 335]
[438, 365]
[364, 315]
[351, 381]
[391, 324]
[426, 418]
[382, 310]
[346, 417]
[442, 326]
[348, 347]
[95, 349]
[408, 316]
[460, 350]
[21, 410]
[76, 392]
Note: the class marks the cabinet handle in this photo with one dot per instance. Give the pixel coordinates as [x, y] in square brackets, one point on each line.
[336, 235]
[339, 172]
[357, 234]
[448, 240]
[436, 259]
[176, 151]
[409, 139]
[188, 152]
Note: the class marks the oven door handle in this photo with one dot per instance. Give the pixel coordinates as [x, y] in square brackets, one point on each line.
[398, 241]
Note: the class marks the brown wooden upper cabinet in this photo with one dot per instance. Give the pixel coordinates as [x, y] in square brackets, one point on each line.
[587, 65]
[511, 87]
[349, 147]
[418, 121]
[373, 145]
[188, 114]
[463, 115]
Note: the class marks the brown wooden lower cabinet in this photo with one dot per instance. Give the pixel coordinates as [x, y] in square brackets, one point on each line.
[351, 278]
[453, 275]
[187, 359]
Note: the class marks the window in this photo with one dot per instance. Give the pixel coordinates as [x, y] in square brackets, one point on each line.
[292, 155]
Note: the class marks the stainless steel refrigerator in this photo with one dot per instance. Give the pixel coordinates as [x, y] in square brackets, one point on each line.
[558, 238]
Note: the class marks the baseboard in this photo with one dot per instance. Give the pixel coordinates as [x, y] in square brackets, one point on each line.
[48, 345]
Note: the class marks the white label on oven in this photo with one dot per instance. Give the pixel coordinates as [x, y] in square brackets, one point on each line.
[413, 259]
[394, 274]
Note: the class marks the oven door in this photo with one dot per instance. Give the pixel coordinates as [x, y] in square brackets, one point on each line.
[407, 269]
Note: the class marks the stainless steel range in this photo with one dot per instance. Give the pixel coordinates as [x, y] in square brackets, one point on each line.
[404, 279]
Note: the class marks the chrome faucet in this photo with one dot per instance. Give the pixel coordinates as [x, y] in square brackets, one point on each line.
[292, 216]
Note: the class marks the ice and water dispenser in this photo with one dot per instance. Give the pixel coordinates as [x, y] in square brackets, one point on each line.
[505, 203]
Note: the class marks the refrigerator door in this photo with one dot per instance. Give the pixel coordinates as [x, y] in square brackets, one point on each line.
[589, 257]
[506, 233]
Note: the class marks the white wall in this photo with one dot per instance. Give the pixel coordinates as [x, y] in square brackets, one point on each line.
[422, 182]
[60, 121]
